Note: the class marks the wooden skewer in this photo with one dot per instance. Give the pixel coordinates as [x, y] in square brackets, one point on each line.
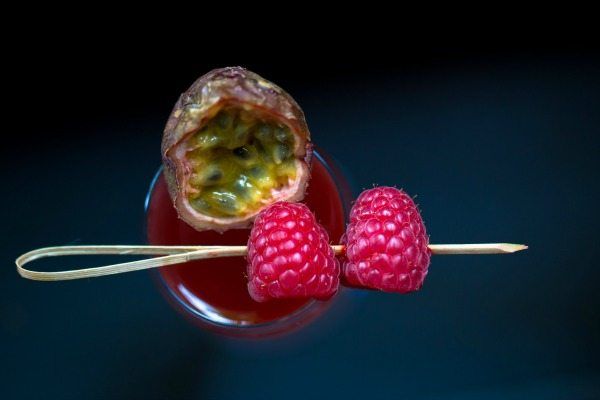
[182, 254]
[476, 248]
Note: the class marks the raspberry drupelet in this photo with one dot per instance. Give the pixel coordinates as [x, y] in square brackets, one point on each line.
[386, 242]
[289, 255]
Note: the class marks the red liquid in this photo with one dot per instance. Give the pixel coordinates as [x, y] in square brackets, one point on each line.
[217, 287]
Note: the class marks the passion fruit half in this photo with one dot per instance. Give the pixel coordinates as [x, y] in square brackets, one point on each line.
[234, 144]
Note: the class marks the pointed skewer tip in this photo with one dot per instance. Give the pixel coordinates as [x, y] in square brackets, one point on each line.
[512, 248]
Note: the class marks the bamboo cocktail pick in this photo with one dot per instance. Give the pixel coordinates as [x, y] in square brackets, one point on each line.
[181, 254]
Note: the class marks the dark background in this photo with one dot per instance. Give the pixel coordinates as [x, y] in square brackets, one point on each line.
[499, 142]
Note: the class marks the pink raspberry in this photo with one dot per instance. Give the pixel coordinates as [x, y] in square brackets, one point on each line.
[386, 242]
[289, 255]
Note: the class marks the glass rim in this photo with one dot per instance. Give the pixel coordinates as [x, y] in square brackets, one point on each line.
[296, 315]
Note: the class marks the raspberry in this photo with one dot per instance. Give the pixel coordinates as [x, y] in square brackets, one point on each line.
[386, 242]
[289, 255]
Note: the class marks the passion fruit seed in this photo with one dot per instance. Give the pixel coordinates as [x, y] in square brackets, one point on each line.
[264, 133]
[237, 159]
[240, 135]
[257, 172]
[210, 175]
[244, 188]
[242, 152]
[224, 203]
[200, 204]
[281, 135]
[280, 153]
[207, 139]
[224, 121]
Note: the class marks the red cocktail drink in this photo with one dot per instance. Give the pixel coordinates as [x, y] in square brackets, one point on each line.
[214, 292]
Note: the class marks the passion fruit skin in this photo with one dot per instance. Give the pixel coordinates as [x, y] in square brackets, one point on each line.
[220, 88]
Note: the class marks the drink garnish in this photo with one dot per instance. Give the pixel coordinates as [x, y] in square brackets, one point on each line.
[234, 144]
[289, 255]
[288, 251]
[237, 148]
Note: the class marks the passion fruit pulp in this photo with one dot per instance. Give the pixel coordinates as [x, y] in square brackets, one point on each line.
[234, 144]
